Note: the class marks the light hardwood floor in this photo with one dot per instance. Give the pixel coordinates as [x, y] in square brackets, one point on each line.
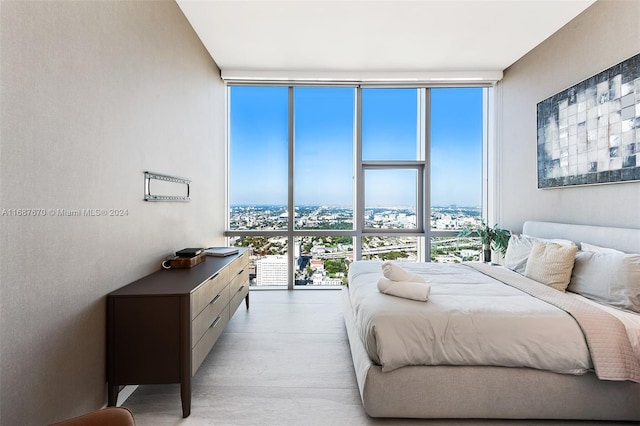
[285, 361]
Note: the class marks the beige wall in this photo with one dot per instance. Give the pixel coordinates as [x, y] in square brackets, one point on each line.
[92, 95]
[605, 34]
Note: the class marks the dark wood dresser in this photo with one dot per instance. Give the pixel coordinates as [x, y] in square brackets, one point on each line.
[161, 327]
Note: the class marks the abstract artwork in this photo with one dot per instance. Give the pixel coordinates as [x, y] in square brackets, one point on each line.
[590, 133]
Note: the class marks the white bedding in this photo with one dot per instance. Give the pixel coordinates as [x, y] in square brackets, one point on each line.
[470, 319]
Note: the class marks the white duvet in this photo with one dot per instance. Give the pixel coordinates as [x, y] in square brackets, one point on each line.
[470, 319]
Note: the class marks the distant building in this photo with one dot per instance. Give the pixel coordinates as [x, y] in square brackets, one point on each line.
[271, 270]
[318, 249]
[332, 281]
[448, 258]
[469, 253]
[316, 264]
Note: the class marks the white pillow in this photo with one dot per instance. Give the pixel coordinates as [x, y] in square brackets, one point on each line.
[551, 264]
[520, 246]
[610, 278]
[598, 249]
[560, 241]
[517, 252]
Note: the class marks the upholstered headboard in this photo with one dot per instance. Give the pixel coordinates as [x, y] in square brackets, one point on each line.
[624, 239]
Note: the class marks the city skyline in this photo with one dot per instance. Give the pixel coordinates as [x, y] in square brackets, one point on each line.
[323, 260]
[330, 205]
[341, 218]
[324, 145]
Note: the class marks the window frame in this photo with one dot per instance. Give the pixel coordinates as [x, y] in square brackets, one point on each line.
[423, 230]
[419, 168]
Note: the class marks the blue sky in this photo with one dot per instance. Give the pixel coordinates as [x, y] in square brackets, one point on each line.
[324, 153]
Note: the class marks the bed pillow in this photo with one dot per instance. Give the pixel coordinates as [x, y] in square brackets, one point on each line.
[517, 253]
[551, 264]
[560, 241]
[610, 278]
[598, 249]
[519, 248]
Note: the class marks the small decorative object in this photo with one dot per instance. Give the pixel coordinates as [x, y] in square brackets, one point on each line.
[177, 262]
[220, 251]
[587, 134]
[486, 253]
[492, 238]
[189, 252]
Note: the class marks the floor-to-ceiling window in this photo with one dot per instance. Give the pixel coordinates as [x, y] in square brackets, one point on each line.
[320, 176]
[457, 128]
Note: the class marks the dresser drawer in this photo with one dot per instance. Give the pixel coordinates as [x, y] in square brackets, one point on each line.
[236, 298]
[238, 281]
[202, 348]
[208, 291]
[242, 262]
[208, 315]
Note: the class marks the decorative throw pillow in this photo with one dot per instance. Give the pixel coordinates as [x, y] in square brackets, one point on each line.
[551, 264]
[598, 249]
[520, 246]
[610, 278]
[517, 252]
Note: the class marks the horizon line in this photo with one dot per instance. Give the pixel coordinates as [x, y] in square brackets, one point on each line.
[347, 206]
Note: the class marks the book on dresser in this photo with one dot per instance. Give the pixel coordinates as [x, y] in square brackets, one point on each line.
[161, 327]
[220, 251]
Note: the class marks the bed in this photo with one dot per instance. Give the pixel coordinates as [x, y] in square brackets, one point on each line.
[482, 378]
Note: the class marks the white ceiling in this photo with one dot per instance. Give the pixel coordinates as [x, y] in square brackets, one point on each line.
[271, 39]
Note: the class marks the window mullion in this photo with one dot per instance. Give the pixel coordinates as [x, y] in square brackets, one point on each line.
[426, 143]
[290, 201]
[359, 177]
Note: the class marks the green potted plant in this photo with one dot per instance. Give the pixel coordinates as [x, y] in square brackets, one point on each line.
[492, 238]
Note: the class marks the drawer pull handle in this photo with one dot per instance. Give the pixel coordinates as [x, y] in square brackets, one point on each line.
[215, 276]
[241, 271]
[213, 324]
[240, 289]
[214, 299]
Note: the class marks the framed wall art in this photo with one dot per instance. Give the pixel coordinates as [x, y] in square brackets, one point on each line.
[590, 133]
